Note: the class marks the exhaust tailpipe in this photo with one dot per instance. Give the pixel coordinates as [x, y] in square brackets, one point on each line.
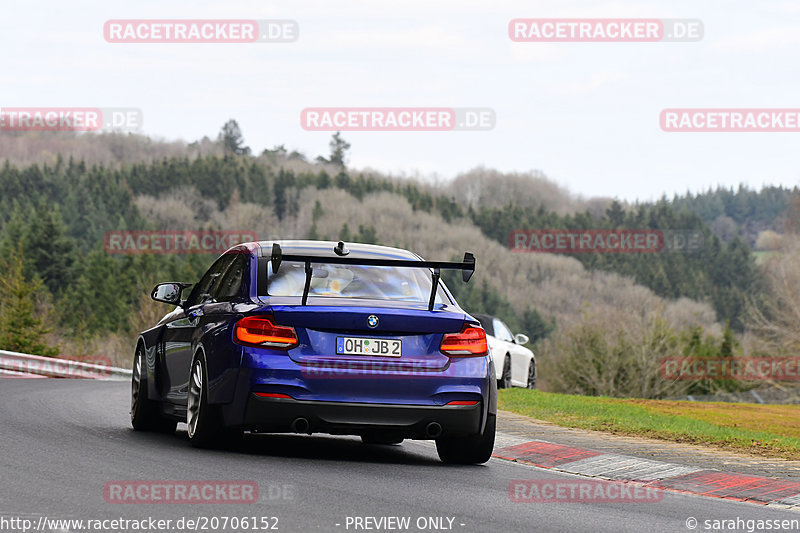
[300, 425]
[433, 430]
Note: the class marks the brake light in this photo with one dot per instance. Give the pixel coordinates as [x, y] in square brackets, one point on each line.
[261, 331]
[469, 342]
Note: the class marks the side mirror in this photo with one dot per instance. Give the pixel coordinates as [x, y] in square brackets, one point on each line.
[168, 293]
[521, 338]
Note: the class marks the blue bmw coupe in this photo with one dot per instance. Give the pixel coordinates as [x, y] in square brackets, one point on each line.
[319, 337]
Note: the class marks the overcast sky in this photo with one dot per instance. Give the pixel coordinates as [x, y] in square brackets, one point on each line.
[585, 114]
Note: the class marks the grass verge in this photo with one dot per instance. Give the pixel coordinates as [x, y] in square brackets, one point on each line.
[765, 430]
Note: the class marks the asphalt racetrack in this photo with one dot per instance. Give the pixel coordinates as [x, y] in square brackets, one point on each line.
[64, 441]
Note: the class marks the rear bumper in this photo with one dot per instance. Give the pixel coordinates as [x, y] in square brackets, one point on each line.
[346, 418]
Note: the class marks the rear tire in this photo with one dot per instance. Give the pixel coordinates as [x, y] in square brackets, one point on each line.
[144, 412]
[202, 419]
[469, 450]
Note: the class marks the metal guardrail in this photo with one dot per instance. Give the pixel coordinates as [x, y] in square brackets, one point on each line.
[18, 365]
[15, 374]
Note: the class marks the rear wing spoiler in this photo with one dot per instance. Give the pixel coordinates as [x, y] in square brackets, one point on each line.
[467, 266]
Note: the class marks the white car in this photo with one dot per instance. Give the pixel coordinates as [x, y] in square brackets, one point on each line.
[514, 364]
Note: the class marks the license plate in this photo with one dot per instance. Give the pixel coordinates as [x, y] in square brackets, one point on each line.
[363, 346]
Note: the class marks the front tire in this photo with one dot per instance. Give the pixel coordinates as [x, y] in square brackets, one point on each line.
[469, 450]
[505, 380]
[144, 412]
[531, 375]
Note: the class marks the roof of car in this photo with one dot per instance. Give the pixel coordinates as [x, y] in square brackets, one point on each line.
[323, 248]
[486, 322]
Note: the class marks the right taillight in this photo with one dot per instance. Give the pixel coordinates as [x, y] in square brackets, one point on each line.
[263, 332]
[469, 342]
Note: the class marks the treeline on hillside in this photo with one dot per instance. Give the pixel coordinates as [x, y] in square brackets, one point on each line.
[724, 274]
[111, 149]
[741, 212]
[730, 212]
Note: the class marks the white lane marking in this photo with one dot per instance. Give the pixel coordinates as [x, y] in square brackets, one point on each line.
[504, 440]
[609, 465]
[624, 467]
[791, 500]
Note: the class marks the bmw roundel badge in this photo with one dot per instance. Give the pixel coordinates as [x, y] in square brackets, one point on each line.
[372, 321]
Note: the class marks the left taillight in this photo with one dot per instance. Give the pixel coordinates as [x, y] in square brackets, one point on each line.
[469, 342]
[262, 331]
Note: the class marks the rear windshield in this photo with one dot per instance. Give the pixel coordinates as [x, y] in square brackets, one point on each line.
[354, 281]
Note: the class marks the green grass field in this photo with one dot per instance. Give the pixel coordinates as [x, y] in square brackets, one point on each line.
[766, 430]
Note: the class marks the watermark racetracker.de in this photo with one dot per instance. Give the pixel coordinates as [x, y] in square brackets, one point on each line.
[141, 523]
[730, 120]
[602, 241]
[63, 366]
[132, 242]
[580, 491]
[604, 30]
[730, 368]
[76, 119]
[143, 492]
[387, 371]
[397, 119]
[356, 358]
[200, 31]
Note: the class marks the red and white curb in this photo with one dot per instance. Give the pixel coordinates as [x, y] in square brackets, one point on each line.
[650, 473]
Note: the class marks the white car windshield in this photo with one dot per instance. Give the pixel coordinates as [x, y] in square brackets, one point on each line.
[502, 332]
